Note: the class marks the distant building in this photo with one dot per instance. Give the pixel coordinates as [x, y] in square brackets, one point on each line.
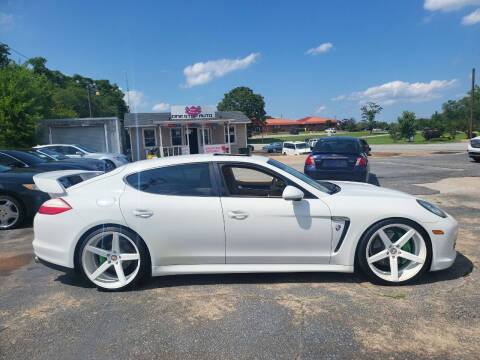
[310, 123]
[187, 129]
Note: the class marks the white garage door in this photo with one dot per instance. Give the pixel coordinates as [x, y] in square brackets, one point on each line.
[92, 137]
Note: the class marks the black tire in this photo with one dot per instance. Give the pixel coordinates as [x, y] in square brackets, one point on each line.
[109, 165]
[21, 212]
[361, 259]
[145, 261]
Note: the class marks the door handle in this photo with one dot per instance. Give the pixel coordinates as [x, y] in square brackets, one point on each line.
[239, 215]
[141, 213]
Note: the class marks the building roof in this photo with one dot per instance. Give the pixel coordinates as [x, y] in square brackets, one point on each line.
[315, 120]
[273, 122]
[146, 119]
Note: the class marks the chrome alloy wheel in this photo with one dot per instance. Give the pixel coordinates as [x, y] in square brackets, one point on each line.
[396, 252]
[111, 260]
[9, 213]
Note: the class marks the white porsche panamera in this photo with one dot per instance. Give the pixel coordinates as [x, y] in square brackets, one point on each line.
[233, 214]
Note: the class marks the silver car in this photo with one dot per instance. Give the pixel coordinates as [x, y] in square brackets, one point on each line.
[112, 160]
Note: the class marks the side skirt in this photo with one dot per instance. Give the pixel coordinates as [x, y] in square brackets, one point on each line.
[247, 268]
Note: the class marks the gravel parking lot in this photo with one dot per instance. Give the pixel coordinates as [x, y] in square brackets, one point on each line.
[45, 313]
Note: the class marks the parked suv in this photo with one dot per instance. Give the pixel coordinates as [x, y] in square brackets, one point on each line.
[76, 151]
[474, 148]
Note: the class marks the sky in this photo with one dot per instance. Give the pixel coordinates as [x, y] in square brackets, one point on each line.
[322, 58]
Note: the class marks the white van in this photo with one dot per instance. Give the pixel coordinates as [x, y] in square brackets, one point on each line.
[295, 148]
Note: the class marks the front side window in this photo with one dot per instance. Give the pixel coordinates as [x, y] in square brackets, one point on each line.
[67, 150]
[252, 182]
[176, 136]
[182, 180]
[149, 139]
[232, 134]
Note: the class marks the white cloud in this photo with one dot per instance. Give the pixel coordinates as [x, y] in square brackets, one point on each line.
[472, 18]
[396, 91]
[325, 47]
[448, 5]
[161, 107]
[321, 109]
[204, 72]
[338, 98]
[135, 99]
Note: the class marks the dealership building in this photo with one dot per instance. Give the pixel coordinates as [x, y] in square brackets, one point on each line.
[187, 129]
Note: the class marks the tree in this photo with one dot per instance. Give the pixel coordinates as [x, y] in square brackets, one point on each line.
[369, 111]
[347, 124]
[406, 124]
[455, 116]
[394, 131]
[24, 98]
[243, 99]
[4, 53]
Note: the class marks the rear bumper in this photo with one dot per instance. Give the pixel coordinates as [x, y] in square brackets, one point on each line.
[356, 174]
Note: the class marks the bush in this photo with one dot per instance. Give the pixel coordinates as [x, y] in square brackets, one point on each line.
[394, 131]
[429, 134]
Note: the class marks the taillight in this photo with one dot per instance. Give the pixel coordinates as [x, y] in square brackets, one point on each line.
[309, 161]
[361, 161]
[54, 206]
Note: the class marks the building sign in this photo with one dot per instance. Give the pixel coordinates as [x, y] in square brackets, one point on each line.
[215, 149]
[196, 112]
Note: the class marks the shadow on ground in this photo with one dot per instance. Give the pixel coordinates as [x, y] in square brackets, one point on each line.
[461, 268]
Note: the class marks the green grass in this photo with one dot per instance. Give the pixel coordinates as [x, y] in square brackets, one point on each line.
[303, 137]
[378, 140]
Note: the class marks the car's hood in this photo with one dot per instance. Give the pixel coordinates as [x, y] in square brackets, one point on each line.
[350, 188]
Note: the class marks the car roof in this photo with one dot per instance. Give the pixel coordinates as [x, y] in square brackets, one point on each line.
[186, 159]
[294, 142]
[340, 138]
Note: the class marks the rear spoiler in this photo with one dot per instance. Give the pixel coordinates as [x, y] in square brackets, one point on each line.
[56, 182]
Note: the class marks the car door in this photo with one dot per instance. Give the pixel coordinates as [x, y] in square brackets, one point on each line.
[263, 228]
[177, 211]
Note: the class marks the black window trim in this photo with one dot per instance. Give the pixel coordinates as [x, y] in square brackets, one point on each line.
[211, 171]
[223, 188]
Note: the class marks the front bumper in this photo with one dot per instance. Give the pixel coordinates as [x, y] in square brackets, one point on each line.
[443, 246]
[473, 152]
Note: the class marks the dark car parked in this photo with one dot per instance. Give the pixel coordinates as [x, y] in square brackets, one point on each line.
[22, 159]
[338, 158]
[275, 147]
[50, 155]
[18, 198]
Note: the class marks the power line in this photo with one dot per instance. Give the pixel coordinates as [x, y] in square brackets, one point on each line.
[15, 51]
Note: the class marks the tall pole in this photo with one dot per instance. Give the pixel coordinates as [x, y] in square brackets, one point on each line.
[128, 92]
[470, 129]
[89, 103]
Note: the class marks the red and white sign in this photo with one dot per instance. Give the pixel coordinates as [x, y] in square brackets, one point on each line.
[215, 149]
[193, 112]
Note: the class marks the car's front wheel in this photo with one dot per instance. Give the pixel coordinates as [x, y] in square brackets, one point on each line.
[113, 258]
[394, 252]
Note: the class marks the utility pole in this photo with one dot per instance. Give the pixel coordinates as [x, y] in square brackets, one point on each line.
[128, 92]
[89, 102]
[470, 128]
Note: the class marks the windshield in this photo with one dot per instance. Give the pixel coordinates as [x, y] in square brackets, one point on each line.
[84, 148]
[50, 153]
[337, 146]
[319, 186]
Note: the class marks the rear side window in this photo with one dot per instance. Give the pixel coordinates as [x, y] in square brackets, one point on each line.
[182, 180]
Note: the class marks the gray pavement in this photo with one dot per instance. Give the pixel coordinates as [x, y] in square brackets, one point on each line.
[47, 314]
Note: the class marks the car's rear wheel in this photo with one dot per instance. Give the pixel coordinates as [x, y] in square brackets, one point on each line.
[114, 258]
[394, 252]
[12, 213]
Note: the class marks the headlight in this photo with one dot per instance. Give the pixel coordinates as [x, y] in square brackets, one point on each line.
[432, 208]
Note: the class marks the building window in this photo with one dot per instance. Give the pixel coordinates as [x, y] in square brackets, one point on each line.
[176, 136]
[149, 139]
[207, 135]
[233, 135]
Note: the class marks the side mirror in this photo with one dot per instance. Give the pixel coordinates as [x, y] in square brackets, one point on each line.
[292, 193]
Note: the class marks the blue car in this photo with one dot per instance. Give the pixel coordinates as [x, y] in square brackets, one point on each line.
[338, 158]
[275, 147]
